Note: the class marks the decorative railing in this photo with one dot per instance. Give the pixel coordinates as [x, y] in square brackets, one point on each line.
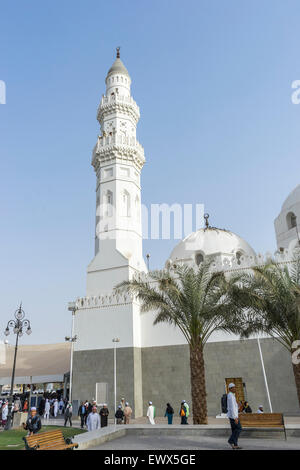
[107, 101]
[118, 139]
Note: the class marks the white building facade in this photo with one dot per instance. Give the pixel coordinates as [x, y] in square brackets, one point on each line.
[152, 361]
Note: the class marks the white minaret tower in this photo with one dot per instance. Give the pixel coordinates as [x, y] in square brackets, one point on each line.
[102, 316]
[117, 159]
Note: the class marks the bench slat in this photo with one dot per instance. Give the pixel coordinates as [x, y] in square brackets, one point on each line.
[262, 420]
[49, 440]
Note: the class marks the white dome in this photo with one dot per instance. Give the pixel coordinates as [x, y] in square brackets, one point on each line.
[210, 241]
[293, 198]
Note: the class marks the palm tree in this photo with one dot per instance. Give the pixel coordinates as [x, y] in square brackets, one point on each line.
[270, 297]
[195, 301]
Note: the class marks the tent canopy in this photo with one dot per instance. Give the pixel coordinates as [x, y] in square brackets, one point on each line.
[40, 363]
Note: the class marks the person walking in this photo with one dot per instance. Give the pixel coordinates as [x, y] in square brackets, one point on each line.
[25, 407]
[86, 404]
[68, 414]
[187, 410]
[93, 420]
[90, 407]
[61, 406]
[127, 413]
[55, 407]
[42, 406]
[123, 404]
[82, 414]
[151, 413]
[4, 413]
[233, 416]
[119, 415]
[182, 413]
[169, 413]
[33, 423]
[47, 409]
[104, 415]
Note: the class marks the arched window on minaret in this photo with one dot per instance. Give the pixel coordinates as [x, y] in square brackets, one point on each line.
[126, 203]
[108, 201]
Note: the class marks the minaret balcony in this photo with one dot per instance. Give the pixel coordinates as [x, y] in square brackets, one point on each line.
[116, 102]
[109, 144]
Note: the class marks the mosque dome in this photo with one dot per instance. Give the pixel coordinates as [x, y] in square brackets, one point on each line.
[211, 242]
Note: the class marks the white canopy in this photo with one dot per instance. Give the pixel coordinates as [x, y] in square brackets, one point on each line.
[40, 363]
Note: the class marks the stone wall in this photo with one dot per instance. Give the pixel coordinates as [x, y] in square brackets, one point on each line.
[166, 375]
[162, 374]
[92, 366]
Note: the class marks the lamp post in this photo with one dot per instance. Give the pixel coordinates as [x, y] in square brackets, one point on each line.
[115, 341]
[72, 308]
[17, 326]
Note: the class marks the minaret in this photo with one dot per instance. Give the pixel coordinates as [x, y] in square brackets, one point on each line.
[118, 159]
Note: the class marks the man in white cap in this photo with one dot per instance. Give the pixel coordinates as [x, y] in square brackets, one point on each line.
[93, 420]
[233, 415]
[127, 413]
[151, 413]
[33, 423]
[260, 410]
[104, 415]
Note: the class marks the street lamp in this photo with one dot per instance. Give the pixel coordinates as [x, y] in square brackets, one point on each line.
[115, 341]
[17, 325]
[72, 308]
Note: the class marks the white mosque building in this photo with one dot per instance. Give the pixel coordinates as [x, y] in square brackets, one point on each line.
[152, 362]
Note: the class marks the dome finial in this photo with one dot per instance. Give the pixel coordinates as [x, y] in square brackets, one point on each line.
[206, 217]
[118, 52]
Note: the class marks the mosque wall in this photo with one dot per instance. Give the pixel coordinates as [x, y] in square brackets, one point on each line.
[97, 366]
[162, 374]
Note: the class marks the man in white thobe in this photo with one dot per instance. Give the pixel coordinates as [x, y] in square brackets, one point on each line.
[233, 415]
[151, 413]
[55, 409]
[93, 420]
[260, 410]
[47, 409]
[4, 413]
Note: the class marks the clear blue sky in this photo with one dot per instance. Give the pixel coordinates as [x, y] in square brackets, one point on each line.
[213, 82]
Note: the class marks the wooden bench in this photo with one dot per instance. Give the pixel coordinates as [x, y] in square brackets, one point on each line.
[262, 420]
[49, 440]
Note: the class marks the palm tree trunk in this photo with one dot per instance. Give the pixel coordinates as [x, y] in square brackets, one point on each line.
[296, 369]
[199, 404]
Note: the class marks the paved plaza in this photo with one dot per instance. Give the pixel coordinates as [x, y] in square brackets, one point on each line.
[193, 443]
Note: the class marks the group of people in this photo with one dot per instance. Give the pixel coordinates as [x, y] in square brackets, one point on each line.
[92, 419]
[48, 405]
[54, 407]
[184, 412]
[244, 407]
[4, 409]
